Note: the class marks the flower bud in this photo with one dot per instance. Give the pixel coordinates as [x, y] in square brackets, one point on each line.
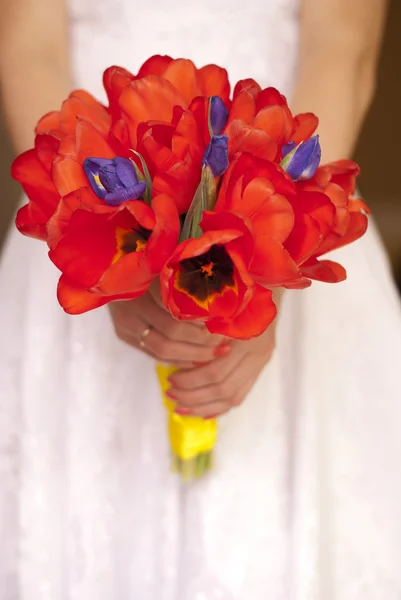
[301, 162]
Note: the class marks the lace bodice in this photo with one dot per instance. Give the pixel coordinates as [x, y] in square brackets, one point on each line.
[258, 38]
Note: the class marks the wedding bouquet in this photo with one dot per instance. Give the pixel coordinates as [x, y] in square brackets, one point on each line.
[220, 197]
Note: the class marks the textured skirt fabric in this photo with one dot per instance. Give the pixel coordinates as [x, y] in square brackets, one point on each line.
[303, 504]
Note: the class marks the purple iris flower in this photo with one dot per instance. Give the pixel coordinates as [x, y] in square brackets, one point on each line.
[302, 161]
[218, 114]
[216, 155]
[114, 180]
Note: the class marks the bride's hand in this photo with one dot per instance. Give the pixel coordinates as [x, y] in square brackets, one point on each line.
[145, 324]
[213, 389]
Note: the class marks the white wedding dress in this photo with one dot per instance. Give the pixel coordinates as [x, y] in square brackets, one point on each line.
[305, 499]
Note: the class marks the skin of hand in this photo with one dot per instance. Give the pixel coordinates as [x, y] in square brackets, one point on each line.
[336, 79]
[214, 373]
[180, 343]
[212, 389]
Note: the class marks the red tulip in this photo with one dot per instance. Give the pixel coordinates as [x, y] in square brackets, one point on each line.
[190, 82]
[261, 123]
[79, 105]
[42, 182]
[33, 169]
[173, 153]
[110, 254]
[207, 279]
[258, 191]
[348, 220]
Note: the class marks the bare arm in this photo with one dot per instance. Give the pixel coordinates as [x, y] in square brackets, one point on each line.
[340, 45]
[34, 69]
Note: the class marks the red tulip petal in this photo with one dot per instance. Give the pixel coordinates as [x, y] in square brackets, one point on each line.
[76, 300]
[27, 168]
[186, 308]
[276, 121]
[244, 138]
[324, 270]
[271, 214]
[149, 98]
[83, 105]
[155, 65]
[83, 198]
[272, 265]
[31, 221]
[318, 206]
[183, 74]
[341, 221]
[187, 137]
[49, 122]
[68, 147]
[166, 231]
[305, 126]
[87, 248]
[243, 108]
[90, 143]
[125, 277]
[36, 181]
[304, 240]
[357, 227]
[336, 194]
[68, 175]
[227, 302]
[298, 284]
[46, 147]
[252, 321]
[212, 221]
[118, 139]
[270, 97]
[115, 80]
[213, 81]
[250, 85]
[358, 205]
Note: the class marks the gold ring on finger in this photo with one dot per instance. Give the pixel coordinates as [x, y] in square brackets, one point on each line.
[144, 335]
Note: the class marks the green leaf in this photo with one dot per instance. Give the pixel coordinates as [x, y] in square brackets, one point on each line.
[209, 121]
[204, 199]
[286, 160]
[143, 177]
[210, 187]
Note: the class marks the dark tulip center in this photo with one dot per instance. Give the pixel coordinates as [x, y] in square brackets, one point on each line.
[207, 274]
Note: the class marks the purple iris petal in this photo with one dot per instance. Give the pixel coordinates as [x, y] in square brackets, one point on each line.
[92, 168]
[305, 159]
[216, 155]
[288, 147]
[114, 180]
[125, 171]
[218, 114]
[108, 177]
[121, 194]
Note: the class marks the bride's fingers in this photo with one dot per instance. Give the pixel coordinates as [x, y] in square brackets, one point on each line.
[203, 398]
[157, 346]
[212, 373]
[218, 407]
[167, 350]
[158, 318]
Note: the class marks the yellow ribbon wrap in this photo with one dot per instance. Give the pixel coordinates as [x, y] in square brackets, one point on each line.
[192, 439]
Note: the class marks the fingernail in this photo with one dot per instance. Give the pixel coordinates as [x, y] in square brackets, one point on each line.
[222, 350]
[208, 417]
[171, 380]
[171, 395]
[182, 411]
[200, 364]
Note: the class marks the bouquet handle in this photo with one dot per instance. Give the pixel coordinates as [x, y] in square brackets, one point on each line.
[192, 439]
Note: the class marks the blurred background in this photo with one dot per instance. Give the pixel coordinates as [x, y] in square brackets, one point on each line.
[378, 151]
